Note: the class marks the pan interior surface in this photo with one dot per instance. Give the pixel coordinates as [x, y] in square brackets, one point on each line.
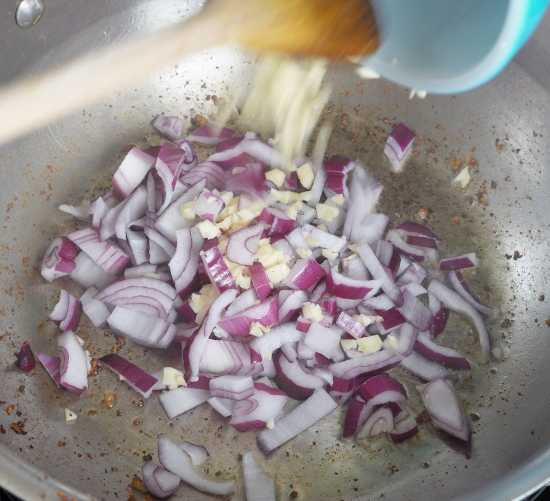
[500, 129]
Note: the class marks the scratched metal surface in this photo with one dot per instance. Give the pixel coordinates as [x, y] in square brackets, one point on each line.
[73, 158]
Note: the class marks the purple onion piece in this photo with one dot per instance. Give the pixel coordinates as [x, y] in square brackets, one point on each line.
[25, 360]
[422, 368]
[259, 280]
[211, 134]
[208, 206]
[180, 400]
[375, 363]
[169, 127]
[52, 365]
[257, 485]
[404, 430]
[232, 387]
[381, 389]
[66, 312]
[266, 313]
[399, 146]
[348, 288]
[73, 365]
[356, 415]
[217, 270]
[159, 482]
[294, 379]
[440, 354]
[415, 313]
[380, 421]
[458, 262]
[139, 380]
[184, 264]
[58, 259]
[459, 285]
[243, 244]
[131, 172]
[412, 228]
[305, 273]
[270, 342]
[197, 453]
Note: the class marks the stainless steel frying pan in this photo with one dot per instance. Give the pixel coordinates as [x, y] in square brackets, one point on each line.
[503, 125]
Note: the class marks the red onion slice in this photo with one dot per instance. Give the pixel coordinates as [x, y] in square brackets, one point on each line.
[415, 252]
[134, 208]
[255, 412]
[259, 280]
[278, 222]
[248, 180]
[232, 387]
[179, 463]
[294, 380]
[380, 421]
[326, 240]
[214, 176]
[25, 360]
[428, 243]
[444, 408]
[423, 368]
[266, 313]
[169, 127]
[372, 364]
[399, 146]
[305, 273]
[379, 273]
[413, 274]
[95, 310]
[455, 302]
[139, 247]
[353, 327]
[459, 285]
[195, 347]
[208, 206]
[381, 389]
[73, 370]
[137, 379]
[412, 228]
[178, 401]
[322, 340]
[243, 244]
[257, 485]
[184, 264]
[315, 408]
[415, 312]
[242, 302]
[440, 314]
[52, 365]
[106, 254]
[171, 219]
[270, 342]
[223, 406]
[348, 288]
[197, 453]
[404, 430]
[66, 312]
[169, 166]
[141, 328]
[458, 263]
[357, 414]
[211, 134]
[290, 302]
[217, 270]
[131, 172]
[159, 482]
[296, 239]
[440, 354]
[58, 259]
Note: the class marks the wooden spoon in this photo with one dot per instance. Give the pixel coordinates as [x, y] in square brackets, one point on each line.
[330, 28]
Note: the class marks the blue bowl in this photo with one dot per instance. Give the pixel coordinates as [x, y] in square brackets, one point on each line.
[450, 46]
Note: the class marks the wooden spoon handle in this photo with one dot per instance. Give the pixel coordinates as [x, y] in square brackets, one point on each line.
[38, 100]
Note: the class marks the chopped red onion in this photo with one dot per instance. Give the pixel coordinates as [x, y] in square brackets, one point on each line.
[270, 342]
[159, 482]
[25, 360]
[141, 328]
[294, 379]
[155, 237]
[357, 414]
[458, 263]
[379, 303]
[379, 273]
[440, 314]
[381, 389]
[171, 219]
[58, 259]
[95, 310]
[372, 364]
[423, 368]
[52, 365]
[131, 172]
[348, 288]
[169, 166]
[73, 370]
[406, 340]
[415, 252]
[134, 208]
[353, 327]
[227, 357]
[380, 421]
[190, 157]
[208, 206]
[106, 254]
[412, 228]
[315, 408]
[243, 244]
[139, 247]
[137, 379]
[242, 302]
[259, 279]
[322, 340]
[211, 134]
[214, 176]
[257, 485]
[248, 180]
[404, 430]
[413, 274]
[326, 240]
[255, 412]
[81, 212]
[459, 285]
[444, 408]
[217, 270]
[232, 387]
[415, 312]
[223, 406]
[266, 313]
[67, 311]
[290, 303]
[178, 401]
[169, 127]
[440, 354]
[455, 302]
[185, 262]
[428, 243]
[304, 274]
[399, 146]
[178, 462]
[197, 453]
